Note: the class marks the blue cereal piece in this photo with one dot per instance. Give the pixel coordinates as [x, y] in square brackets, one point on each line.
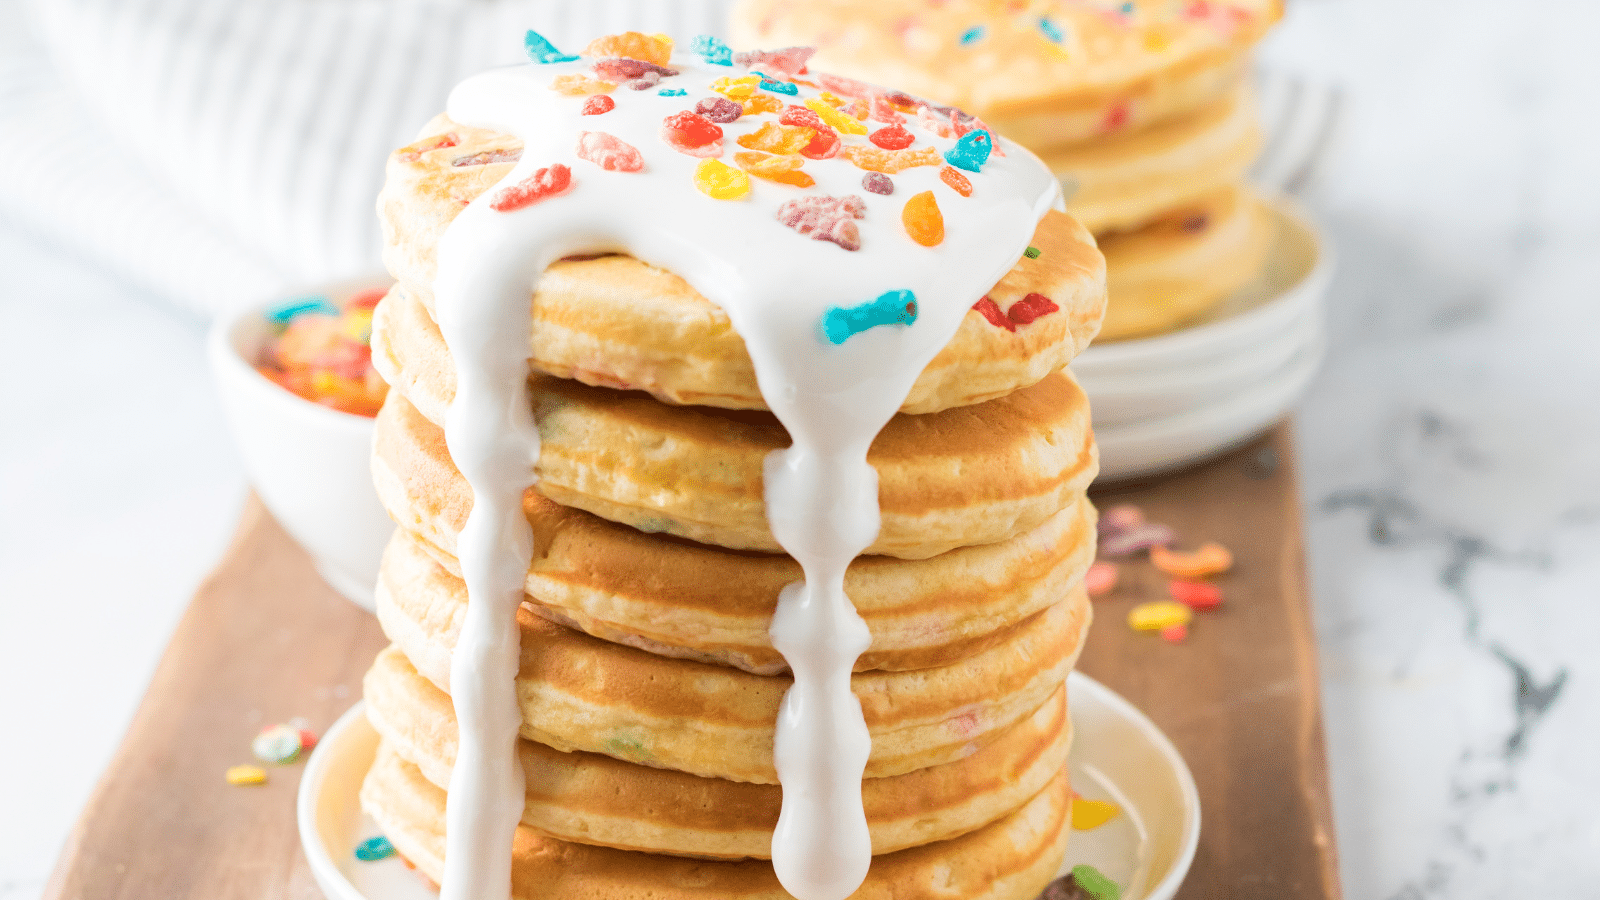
[672, 92]
[779, 87]
[1051, 30]
[891, 308]
[374, 849]
[288, 310]
[541, 51]
[973, 35]
[712, 50]
[971, 152]
[1127, 8]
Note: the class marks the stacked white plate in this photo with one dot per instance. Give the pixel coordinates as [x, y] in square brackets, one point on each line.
[1166, 402]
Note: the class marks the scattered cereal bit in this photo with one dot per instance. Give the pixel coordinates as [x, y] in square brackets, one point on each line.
[308, 738]
[719, 109]
[890, 308]
[1051, 30]
[720, 181]
[782, 169]
[1175, 634]
[775, 138]
[877, 183]
[643, 83]
[841, 122]
[1116, 117]
[577, 84]
[1197, 595]
[959, 183]
[1031, 307]
[1132, 540]
[825, 142]
[541, 185]
[1097, 886]
[825, 218]
[780, 87]
[738, 88]
[1211, 559]
[624, 69]
[1101, 579]
[609, 152]
[785, 63]
[991, 310]
[246, 775]
[938, 123]
[1068, 887]
[876, 159]
[1155, 615]
[971, 151]
[923, 220]
[597, 105]
[650, 48]
[858, 108]
[504, 154]
[299, 306]
[672, 92]
[1156, 40]
[1088, 815]
[1120, 518]
[413, 152]
[374, 849]
[1031, 253]
[366, 299]
[972, 35]
[540, 50]
[713, 51]
[1127, 8]
[965, 124]
[884, 111]
[693, 134]
[845, 87]
[277, 744]
[894, 137]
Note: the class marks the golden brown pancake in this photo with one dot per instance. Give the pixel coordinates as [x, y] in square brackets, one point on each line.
[590, 798]
[617, 322]
[1011, 859]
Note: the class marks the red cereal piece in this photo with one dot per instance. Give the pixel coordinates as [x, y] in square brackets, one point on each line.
[991, 310]
[366, 299]
[693, 134]
[541, 185]
[894, 137]
[1175, 634]
[1031, 307]
[609, 152]
[959, 183]
[1116, 117]
[1197, 595]
[825, 145]
[719, 109]
[599, 104]
[1101, 579]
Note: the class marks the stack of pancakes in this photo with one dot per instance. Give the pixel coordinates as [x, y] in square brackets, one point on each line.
[649, 686]
[1143, 109]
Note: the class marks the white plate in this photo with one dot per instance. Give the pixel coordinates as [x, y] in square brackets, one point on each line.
[1117, 755]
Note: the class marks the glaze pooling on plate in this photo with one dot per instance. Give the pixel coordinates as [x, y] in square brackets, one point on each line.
[778, 287]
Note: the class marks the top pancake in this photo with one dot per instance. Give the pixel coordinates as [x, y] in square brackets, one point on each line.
[614, 321]
[1044, 74]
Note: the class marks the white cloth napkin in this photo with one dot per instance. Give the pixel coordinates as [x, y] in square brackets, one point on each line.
[218, 151]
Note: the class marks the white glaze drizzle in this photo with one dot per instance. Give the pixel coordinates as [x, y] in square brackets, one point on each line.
[821, 494]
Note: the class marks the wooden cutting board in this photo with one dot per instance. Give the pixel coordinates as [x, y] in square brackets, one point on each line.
[265, 641]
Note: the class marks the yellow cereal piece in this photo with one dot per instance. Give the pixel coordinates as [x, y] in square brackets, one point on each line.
[720, 181]
[358, 324]
[775, 138]
[1158, 615]
[1156, 39]
[877, 159]
[246, 775]
[737, 88]
[840, 122]
[1090, 814]
[1211, 559]
[923, 220]
[578, 84]
[757, 104]
[782, 169]
[832, 99]
[652, 48]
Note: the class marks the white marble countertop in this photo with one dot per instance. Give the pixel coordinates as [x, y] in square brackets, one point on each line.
[1450, 457]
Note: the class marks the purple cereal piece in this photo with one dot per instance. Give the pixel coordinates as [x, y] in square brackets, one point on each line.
[1132, 540]
[878, 183]
[487, 157]
[622, 69]
[824, 218]
[719, 109]
[1120, 518]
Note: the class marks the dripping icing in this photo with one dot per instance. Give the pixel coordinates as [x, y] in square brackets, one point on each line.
[821, 493]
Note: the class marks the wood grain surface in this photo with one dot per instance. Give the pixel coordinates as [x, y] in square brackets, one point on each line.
[265, 640]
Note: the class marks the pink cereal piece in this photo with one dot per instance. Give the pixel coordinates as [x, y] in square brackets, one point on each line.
[1101, 579]
[938, 123]
[845, 87]
[884, 111]
[599, 104]
[541, 185]
[825, 218]
[1132, 540]
[1197, 595]
[719, 109]
[1120, 518]
[1175, 634]
[785, 63]
[609, 152]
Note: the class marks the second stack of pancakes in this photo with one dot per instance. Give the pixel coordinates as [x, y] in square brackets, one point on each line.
[649, 685]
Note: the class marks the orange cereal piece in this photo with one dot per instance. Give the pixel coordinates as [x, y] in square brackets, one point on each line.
[956, 180]
[720, 181]
[875, 159]
[578, 84]
[740, 88]
[782, 169]
[757, 104]
[1211, 559]
[844, 123]
[775, 138]
[922, 219]
[655, 48]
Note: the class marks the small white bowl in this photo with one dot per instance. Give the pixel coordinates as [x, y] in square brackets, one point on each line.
[1117, 755]
[310, 465]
